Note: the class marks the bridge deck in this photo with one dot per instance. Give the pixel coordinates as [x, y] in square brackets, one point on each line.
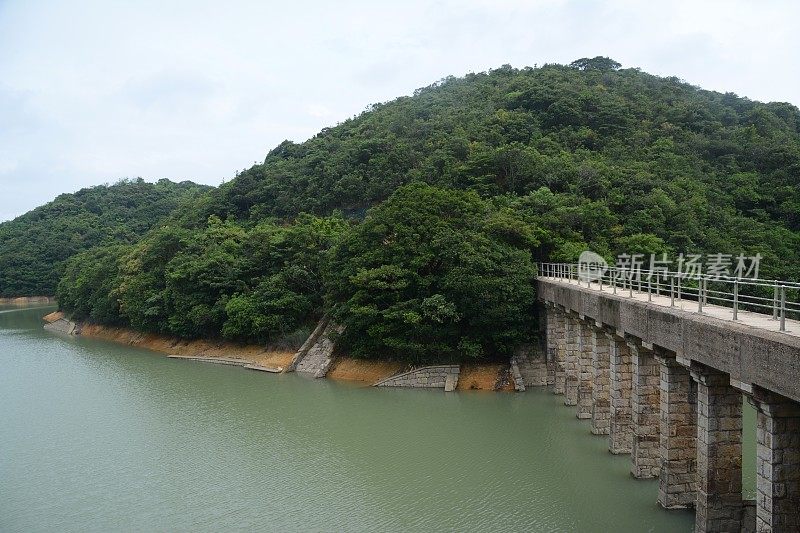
[747, 318]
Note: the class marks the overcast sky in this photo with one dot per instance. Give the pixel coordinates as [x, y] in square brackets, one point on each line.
[91, 92]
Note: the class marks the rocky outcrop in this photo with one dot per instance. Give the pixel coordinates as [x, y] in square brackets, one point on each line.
[440, 376]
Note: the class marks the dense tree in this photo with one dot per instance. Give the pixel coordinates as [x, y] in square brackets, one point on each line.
[483, 174]
[434, 274]
[34, 246]
[251, 284]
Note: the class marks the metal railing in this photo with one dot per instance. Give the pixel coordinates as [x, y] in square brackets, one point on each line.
[780, 299]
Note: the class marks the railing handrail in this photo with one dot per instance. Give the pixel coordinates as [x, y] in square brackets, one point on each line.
[653, 282]
[684, 275]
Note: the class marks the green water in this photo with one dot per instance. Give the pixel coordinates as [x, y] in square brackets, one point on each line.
[96, 436]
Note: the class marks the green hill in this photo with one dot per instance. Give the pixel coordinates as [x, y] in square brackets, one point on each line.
[34, 246]
[553, 160]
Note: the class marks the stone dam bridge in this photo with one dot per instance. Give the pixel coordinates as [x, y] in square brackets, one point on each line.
[665, 380]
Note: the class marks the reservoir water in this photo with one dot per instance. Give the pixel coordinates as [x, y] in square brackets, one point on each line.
[96, 436]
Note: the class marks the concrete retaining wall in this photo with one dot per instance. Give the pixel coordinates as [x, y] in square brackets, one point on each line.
[441, 377]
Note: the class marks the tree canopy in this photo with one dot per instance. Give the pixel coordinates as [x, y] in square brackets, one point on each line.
[410, 222]
[34, 246]
[434, 273]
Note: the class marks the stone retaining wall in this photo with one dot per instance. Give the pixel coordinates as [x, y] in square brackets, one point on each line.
[25, 300]
[529, 367]
[310, 341]
[441, 376]
[62, 325]
[316, 355]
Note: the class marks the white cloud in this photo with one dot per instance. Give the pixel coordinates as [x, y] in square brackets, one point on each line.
[94, 91]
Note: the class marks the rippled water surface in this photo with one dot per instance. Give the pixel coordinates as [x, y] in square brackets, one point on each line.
[96, 436]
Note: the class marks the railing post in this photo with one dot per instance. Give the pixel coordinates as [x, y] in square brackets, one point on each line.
[736, 299]
[650, 287]
[700, 283]
[672, 291]
[679, 291]
[783, 307]
[775, 302]
[613, 283]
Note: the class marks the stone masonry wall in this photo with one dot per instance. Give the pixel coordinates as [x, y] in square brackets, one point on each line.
[319, 356]
[777, 463]
[620, 436]
[528, 365]
[719, 453]
[62, 325]
[559, 383]
[442, 376]
[551, 345]
[645, 460]
[571, 362]
[677, 487]
[601, 404]
[586, 372]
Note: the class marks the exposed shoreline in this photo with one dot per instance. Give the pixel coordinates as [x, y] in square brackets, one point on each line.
[26, 300]
[482, 376]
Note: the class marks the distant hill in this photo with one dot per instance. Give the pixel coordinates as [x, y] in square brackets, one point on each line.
[554, 160]
[34, 246]
[621, 152]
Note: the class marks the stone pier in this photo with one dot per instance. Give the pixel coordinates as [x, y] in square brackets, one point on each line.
[719, 452]
[675, 382]
[585, 372]
[552, 345]
[645, 460]
[777, 462]
[620, 435]
[601, 400]
[571, 365]
[559, 383]
[550, 340]
[677, 488]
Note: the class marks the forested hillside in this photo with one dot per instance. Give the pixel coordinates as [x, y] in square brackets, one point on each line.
[34, 246]
[537, 163]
